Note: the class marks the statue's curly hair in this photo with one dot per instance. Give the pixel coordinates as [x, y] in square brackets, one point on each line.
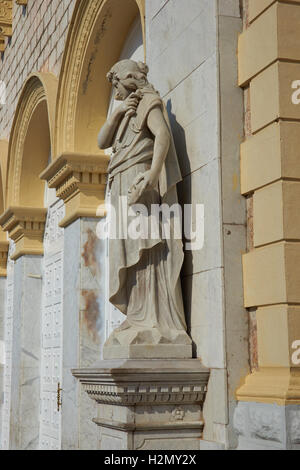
[139, 70]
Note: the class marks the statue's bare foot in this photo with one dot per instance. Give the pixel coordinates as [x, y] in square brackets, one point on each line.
[124, 326]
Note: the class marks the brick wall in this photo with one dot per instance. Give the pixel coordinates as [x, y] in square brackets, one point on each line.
[37, 44]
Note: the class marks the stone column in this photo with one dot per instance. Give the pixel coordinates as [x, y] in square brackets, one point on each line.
[25, 226]
[268, 416]
[26, 353]
[3, 272]
[79, 181]
[83, 327]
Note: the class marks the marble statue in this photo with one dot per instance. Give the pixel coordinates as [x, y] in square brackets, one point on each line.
[145, 272]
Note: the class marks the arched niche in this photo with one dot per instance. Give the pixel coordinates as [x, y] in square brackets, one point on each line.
[95, 41]
[97, 33]
[29, 149]
[31, 141]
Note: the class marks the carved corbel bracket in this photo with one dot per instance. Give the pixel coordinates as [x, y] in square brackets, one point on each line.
[22, 2]
[80, 181]
[25, 226]
[6, 7]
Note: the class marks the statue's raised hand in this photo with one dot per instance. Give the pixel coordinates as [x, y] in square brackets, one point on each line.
[129, 105]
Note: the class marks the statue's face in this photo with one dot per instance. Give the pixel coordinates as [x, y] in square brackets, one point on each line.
[123, 86]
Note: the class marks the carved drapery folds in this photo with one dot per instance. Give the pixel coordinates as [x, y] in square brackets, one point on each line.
[80, 182]
[25, 226]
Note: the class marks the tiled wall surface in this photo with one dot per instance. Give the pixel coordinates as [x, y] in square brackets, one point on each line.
[37, 44]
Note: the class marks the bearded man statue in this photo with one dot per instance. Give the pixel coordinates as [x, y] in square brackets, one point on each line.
[144, 279]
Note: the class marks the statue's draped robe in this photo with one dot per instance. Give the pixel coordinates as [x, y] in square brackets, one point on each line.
[145, 273]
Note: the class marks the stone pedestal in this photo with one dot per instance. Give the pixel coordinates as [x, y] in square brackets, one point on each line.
[140, 343]
[147, 404]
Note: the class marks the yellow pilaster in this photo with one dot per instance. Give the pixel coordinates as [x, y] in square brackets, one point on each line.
[269, 55]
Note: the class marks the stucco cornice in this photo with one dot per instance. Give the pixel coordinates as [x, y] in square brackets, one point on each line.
[80, 182]
[25, 226]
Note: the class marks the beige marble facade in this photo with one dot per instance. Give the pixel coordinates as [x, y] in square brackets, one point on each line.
[55, 57]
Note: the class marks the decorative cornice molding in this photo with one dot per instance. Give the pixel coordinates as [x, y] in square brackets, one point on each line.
[25, 226]
[146, 382]
[80, 181]
[146, 394]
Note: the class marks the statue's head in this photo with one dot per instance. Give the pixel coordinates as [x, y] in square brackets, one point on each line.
[127, 76]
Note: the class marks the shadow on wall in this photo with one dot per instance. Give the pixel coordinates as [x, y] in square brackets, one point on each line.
[184, 193]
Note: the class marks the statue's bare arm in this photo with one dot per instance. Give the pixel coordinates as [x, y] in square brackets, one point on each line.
[159, 128]
[108, 130]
